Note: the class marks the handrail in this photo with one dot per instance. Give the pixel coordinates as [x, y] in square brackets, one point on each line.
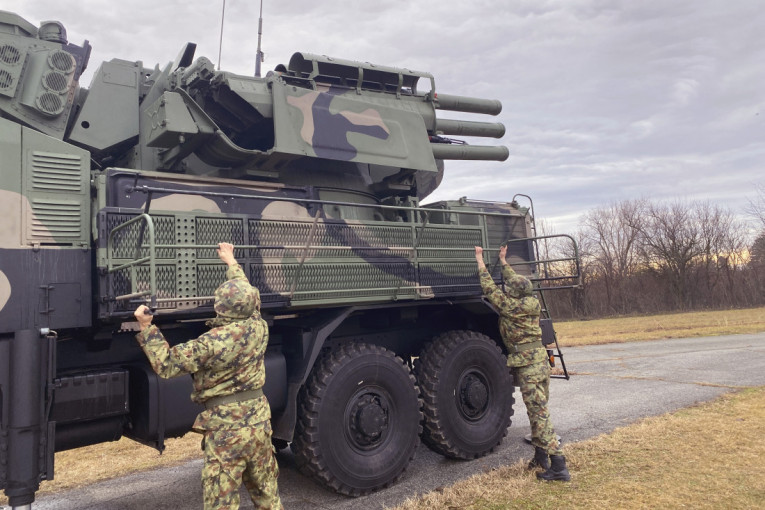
[152, 291]
[577, 273]
[152, 189]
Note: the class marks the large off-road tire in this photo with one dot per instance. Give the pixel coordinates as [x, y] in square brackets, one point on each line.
[467, 394]
[359, 419]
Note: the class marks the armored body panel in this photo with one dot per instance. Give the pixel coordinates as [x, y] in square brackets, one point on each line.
[300, 250]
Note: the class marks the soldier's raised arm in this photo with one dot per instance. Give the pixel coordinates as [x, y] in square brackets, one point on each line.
[507, 270]
[493, 293]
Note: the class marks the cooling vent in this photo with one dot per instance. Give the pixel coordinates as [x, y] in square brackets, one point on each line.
[62, 61]
[10, 54]
[59, 219]
[56, 172]
[6, 80]
[50, 103]
[55, 82]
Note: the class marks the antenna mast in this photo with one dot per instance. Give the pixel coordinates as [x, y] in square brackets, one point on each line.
[259, 54]
[220, 42]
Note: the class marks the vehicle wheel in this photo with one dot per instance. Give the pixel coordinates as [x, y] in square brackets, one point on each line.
[359, 419]
[467, 394]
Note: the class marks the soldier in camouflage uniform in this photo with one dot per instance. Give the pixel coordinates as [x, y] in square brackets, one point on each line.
[519, 326]
[227, 366]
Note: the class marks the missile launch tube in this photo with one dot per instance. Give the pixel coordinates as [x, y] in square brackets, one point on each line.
[468, 104]
[470, 128]
[472, 152]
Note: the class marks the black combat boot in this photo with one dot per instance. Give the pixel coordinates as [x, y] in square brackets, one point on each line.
[557, 471]
[540, 460]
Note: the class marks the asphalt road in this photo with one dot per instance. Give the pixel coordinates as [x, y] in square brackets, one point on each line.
[612, 385]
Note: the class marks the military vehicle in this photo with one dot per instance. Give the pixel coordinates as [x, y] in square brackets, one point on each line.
[117, 195]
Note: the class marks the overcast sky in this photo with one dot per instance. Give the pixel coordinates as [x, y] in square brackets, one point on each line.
[603, 100]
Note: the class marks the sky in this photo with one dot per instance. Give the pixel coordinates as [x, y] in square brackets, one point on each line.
[603, 100]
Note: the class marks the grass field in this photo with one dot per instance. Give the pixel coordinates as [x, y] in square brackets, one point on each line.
[108, 460]
[656, 327]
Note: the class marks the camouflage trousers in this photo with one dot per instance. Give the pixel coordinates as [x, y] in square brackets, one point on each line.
[236, 456]
[534, 381]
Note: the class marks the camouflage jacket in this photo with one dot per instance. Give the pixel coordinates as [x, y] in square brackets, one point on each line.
[227, 359]
[518, 320]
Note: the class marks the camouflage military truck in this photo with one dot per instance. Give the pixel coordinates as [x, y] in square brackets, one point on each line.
[116, 195]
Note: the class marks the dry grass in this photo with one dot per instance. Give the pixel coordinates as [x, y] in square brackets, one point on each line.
[82, 466]
[708, 456]
[656, 327]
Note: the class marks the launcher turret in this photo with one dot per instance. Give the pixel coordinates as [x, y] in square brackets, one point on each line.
[332, 116]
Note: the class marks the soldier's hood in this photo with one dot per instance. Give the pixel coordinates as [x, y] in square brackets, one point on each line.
[235, 300]
[518, 286]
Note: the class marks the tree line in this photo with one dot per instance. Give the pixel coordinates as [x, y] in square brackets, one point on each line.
[642, 256]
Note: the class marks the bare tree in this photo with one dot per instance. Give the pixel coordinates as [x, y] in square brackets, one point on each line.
[723, 244]
[671, 240]
[756, 207]
[756, 267]
[643, 256]
[612, 235]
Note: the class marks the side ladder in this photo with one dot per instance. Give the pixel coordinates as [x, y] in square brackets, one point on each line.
[553, 274]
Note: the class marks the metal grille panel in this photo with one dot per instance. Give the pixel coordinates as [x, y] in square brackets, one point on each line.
[437, 237]
[335, 281]
[209, 277]
[216, 230]
[126, 239]
[366, 241]
[10, 54]
[55, 82]
[6, 80]
[62, 61]
[450, 278]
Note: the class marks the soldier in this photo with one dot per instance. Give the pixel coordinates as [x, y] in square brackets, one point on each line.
[519, 327]
[227, 366]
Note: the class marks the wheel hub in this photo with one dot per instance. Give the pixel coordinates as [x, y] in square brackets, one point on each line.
[368, 420]
[474, 395]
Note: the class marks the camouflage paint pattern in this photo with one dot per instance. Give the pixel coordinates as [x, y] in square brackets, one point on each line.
[45, 266]
[5, 290]
[331, 141]
[233, 457]
[371, 259]
[518, 319]
[225, 361]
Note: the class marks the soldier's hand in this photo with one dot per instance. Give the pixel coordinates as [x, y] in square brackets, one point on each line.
[143, 315]
[226, 253]
[503, 254]
[479, 257]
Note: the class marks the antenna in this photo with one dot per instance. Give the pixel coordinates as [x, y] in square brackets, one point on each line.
[259, 54]
[220, 42]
